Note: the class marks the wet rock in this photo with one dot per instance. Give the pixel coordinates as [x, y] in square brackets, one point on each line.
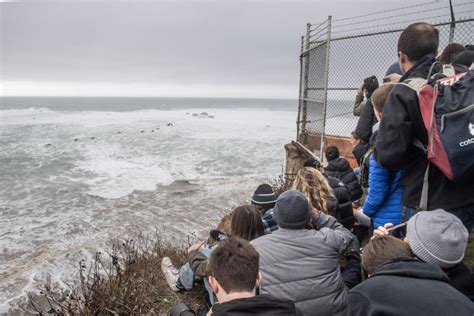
[169, 124]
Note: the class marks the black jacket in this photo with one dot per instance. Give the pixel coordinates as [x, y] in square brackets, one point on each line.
[257, 305]
[401, 124]
[343, 206]
[339, 168]
[367, 119]
[408, 287]
[462, 279]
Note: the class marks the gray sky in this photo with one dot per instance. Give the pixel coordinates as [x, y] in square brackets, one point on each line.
[176, 48]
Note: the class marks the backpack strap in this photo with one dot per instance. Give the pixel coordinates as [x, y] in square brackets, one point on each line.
[414, 83]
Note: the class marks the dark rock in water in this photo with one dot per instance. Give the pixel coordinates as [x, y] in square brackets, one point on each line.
[267, 126]
[119, 132]
[157, 128]
[195, 114]
[92, 137]
[75, 139]
[211, 116]
[203, 115]
[152, 130]
[169, 124]
[142, 131]
[187, 113]
[47, 145]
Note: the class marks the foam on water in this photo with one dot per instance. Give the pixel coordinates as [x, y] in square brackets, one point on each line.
[72, 181]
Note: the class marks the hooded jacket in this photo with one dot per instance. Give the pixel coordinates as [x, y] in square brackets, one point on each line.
[339, 168]
[302, 265]
[408, 287]
[342, 207]
[401, 124]
[257, 305]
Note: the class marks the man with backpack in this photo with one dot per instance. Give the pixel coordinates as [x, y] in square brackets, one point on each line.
[403, 134]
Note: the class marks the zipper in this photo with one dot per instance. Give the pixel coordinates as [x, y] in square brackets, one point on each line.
[445, 116]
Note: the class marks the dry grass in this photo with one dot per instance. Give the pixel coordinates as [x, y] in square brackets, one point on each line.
[127, 281]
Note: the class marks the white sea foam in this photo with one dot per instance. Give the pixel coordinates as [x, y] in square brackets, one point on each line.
[71, 181]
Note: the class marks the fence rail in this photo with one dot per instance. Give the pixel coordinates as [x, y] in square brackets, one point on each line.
[334, 64]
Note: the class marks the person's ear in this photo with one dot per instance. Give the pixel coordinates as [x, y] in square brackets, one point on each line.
[213, 283]
[259, 280]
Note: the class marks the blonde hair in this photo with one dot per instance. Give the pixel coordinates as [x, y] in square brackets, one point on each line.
[315, 187]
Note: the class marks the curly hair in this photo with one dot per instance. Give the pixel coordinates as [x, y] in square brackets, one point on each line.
[315, 187]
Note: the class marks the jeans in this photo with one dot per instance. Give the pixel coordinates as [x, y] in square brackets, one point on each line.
[465, 214]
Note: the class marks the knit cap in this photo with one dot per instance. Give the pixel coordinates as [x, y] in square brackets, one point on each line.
[437, 237]
[292, 210]
[263, 195]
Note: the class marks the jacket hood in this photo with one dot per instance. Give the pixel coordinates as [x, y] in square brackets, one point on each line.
[420, 69]
[338, 164]
[411, 268]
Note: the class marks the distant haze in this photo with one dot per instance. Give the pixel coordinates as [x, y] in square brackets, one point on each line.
[151, 48]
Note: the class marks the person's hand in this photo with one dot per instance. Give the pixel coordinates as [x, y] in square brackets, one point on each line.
[195, 246]
[392, 78]
[382, 231]
[360, 90]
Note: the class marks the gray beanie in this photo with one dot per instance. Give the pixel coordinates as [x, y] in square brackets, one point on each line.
[437, 237]
[292, 210]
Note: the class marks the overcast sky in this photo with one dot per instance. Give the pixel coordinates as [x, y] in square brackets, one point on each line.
[163, 48]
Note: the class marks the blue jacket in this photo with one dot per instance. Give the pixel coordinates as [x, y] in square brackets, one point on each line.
[384, 201]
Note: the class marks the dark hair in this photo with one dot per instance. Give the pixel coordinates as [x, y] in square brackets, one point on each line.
[370, 84]
[380, 96]
[246, 222]
[331, 153]
[353, 134]
[312, 163]
[449, 52]
[382, 249]
[465, 58]
[234, 263]
[418, 40]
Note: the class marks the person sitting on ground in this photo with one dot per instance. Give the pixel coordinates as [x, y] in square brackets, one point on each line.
[233, 274]
[401, 285]
[245, 222]
[341, 207]
[264, 200]
[365, 90]
[439, 238]
[383, 202]
[338, 167]
[403, 124]
[302, 264]
[343, 211]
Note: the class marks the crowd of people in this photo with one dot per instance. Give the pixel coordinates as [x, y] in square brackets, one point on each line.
[300, 253]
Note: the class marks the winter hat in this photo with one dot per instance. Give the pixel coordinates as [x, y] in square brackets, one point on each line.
[437, 237]
[332, 153]
[312, 163]
[263, 196]
[292, 210]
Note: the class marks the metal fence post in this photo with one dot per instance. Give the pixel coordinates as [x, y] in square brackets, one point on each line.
[298, 119]
[326, 83]
[453, 23]
[305, 83]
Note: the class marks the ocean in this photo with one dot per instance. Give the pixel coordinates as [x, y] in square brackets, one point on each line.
[76, 173]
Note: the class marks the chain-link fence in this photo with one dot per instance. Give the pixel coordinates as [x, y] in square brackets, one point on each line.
[337, 55]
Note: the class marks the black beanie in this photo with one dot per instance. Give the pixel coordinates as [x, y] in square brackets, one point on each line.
[264, 197]
[332, 153]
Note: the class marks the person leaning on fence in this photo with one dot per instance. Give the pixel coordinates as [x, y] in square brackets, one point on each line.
[264, 199]
[403, 124]
[383, 202]
[400, 285]
[439, 238]
[302, 264]
[245, 222]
